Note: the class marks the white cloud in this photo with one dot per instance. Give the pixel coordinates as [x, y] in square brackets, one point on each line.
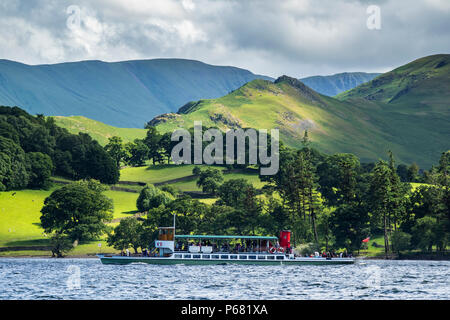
[294, 37]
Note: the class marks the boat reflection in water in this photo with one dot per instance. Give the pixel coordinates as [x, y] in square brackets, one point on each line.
[170, 248]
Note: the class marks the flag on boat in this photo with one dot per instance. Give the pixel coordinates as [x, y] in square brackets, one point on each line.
[366, 239]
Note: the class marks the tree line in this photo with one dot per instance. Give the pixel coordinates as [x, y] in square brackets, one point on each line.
[329, 202]
[33, 148]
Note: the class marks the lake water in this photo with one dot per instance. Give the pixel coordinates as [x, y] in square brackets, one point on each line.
[89, 279]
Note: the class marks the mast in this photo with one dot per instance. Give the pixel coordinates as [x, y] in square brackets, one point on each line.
[174, 216]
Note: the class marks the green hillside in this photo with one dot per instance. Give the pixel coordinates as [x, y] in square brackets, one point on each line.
[20, 221]
[20, 210]
[422, 83]
[416, 129]
[98, 130]
[405, 110]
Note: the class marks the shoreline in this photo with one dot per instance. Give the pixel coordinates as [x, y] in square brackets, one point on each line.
[403, 257]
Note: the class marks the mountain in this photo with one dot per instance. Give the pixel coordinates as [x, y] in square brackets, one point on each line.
[405, 111]
[123, 94]
[337, 83]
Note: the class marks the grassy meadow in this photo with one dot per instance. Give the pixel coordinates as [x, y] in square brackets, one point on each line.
[20, 220]
[20, 210]
[98, 130]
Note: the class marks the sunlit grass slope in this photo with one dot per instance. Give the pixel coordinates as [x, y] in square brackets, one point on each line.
[98, 130]
[20, 218]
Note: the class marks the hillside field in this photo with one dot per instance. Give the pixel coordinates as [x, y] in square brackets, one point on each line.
[20, 210]
[98, 130]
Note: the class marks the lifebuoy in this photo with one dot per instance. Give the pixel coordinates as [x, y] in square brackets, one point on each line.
[280, 249]
[272, 250]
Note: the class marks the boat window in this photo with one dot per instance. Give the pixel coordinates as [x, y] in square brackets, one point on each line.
[261, 257]
[233, 257]
[196, 256]
[216, 256]
[252, 257]
[206, 256]
[178, 256]
[187, 256]
[224, 257]
[280, 257]
[270, 257]
[243, 257]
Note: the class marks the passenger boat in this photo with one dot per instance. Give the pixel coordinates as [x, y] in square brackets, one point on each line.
[262, 251]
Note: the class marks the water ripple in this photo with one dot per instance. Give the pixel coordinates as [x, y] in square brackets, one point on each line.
[372, 279]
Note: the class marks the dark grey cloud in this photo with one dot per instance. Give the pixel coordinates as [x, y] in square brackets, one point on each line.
[294, 37]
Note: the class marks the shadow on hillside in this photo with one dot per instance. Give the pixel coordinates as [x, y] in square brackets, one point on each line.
[162, 166]
[131, 212]
[28, 243]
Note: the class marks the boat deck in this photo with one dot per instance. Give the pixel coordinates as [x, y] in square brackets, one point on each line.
[224, 258]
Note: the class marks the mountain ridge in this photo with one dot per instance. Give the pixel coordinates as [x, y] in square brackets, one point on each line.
[117, 93]
[415, 127]
[332, 85]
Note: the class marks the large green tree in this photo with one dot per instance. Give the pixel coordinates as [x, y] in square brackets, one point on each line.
[127, 234]
[116, 149]
[151, 197]
[13, 167]
[136, 153]
[209, 179]
[40, 168]
[153, 142]
[79, 210]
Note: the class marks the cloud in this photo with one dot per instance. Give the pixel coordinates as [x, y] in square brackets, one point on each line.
[294, 37]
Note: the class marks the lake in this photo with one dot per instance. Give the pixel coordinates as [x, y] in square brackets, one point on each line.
[89, 279]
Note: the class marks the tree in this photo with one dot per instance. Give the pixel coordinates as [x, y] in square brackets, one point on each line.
[413, 173]
[388, 197]
[209, 180]
[338, 178]
[127, 234]
[443, 181]
[73, 156]
[153, 143]
[60, 244]
[400, 241]
[13, 168]
[137, 153]
[381, 196]
[78, 210]
[425, 230]
[40, 169]
[428, 222]
[116, 149]
[252, 207]
[399, 195]
[88, 159]
[151, 197]
[232, 192]
[350, 225]
[167, 145]
[402, 171]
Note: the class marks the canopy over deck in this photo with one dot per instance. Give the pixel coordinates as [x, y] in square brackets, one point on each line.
[224, 237]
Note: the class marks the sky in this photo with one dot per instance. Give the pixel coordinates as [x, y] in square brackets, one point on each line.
[271, 37]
